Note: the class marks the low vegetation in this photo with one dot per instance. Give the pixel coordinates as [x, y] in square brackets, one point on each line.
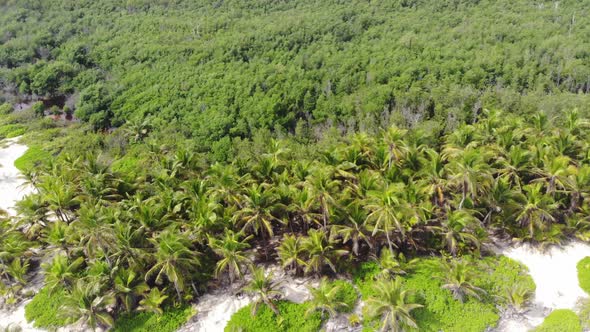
[44, 308]
[432, 284]
[168, 321]
[292, 318]
[584, 274]
[34, 156]
[560, 320]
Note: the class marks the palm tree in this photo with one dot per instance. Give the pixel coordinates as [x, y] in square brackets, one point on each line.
[324, 298]
[457, 277]
[536, 212]
[383, 207]
[263, 286]
[320, 251]
[291, 253]
[174, 259]
[60, 196]
[554, 172]
[303, 208]
[390, 304]
[470, 172]
[256, 211]
[396, 146]
[95, 234]
[89, 304]
[354, 229]
[458, 228]
[232, 252]
[514, 165]
[322, 186]
[137, 130]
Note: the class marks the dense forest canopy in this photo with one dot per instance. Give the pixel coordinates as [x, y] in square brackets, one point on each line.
[220, 70]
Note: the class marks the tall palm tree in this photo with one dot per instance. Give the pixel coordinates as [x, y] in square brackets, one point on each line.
[354, 229]
[390, 304]
[470, 172]
[458, 228]
[536, 213]
[304, 208]
[394, 137]
[232, 252]
[554, 172]
[320, 251]
[384, 207]
[263, 286]
[256, 212]
[60, 196]
[322, 186]
[174, 259]
[291, 253]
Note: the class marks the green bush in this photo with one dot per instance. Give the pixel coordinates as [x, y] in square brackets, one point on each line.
[44, 308]
[441, 312]
[364, 276]
[33, 156]
[11, 130]
[346, 294]
[584, 274]
[6, 108]
[291, 319]
[169, 321]
[560, 320]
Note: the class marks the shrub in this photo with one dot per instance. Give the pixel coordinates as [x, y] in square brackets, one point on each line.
[441, 312]
[6, 108]
[560, 320]
[169, 321]
[291, 319]
[44, 307]
[11, 130]
[33, 156]
[584, 274]
[346, 294]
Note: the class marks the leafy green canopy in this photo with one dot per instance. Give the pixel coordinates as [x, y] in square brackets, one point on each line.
[222, 70]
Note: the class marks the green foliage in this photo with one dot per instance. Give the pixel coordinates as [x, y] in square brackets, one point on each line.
[560, 320]
[219, 76]
[584, 274]
[44, 308]
[441, 311]
[34, 156]
[169, 321]
[291, 319]
[6, 108]
[12, 130]
[345, 294]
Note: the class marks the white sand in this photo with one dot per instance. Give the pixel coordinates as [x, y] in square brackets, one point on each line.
[11, 190]
[11, 184]
[215, 308]
[555, 274]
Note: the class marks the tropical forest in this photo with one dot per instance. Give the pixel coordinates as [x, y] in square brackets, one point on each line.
[294, 165]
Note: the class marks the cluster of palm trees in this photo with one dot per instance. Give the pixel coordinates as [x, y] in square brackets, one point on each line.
[139, 241]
